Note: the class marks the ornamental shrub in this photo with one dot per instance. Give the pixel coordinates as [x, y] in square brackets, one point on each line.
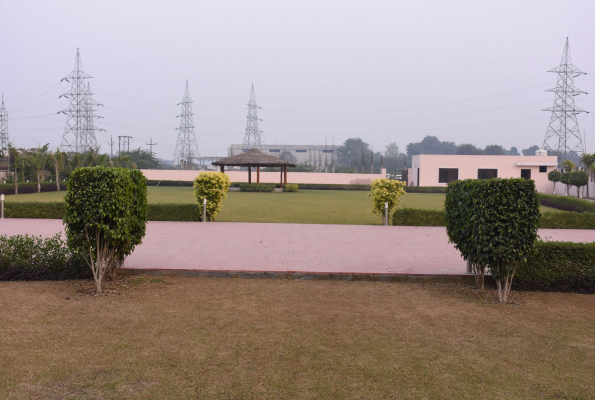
[212, 186]
[565, 179]
[290, 187]
[578, 179]
[493, 222]
[105, 216]
[33, 258]
[554, 176]
[386, 191]
[254, 187]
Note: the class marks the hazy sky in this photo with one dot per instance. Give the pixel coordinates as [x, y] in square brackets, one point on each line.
[385, 71]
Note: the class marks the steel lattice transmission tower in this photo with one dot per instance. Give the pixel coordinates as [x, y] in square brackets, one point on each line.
[4, 156]
[79, 132]
[252, 137]
[186, 152]
[563, 136]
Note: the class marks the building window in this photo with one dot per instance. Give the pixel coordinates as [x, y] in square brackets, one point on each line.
[274, 150]
[485, 173]
[301, 151]
[542, 168]
[447, 175]
[327, 151]
[526, 173]
[245, 150]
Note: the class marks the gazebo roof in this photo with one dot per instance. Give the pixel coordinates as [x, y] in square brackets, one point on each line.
[253, 158]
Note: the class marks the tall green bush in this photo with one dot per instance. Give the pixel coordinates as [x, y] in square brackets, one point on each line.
[212, 186]
[493, 222]
[554, 176]
[565, 179]
[386, 191]
[105, 216]
[578, 179]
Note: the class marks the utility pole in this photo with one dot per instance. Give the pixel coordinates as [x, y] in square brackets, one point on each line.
[111, 145]
[186, 151]
[252, 136]
[563, 136]
[122, 144]
[4, 156]
[79, 132]
[151, 144]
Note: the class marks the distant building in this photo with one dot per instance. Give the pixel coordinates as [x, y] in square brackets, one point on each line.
[440, 170]
[304, 154]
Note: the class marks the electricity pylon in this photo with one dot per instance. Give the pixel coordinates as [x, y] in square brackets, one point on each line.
[186, 152]
[252, 136]
[563, 136]
[4, 156]
[79, 132]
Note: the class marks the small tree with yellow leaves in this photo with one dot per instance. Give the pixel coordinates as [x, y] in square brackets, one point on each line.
[386, 191]
[212, 186]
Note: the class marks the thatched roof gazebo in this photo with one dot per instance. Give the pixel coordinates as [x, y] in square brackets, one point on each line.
[255, 158]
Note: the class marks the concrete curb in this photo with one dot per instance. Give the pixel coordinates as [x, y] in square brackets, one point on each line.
[328, 276]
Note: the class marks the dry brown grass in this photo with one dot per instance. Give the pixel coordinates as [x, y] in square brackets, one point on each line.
[239, 338]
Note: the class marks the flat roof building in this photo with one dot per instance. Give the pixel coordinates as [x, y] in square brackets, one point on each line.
[440, 170]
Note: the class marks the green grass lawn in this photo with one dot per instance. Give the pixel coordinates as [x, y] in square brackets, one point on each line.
[304, 207]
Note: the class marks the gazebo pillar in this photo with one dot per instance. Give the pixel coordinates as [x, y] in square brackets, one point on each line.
[249, 174]
[223, 168]
[258, 175]
[285, 173]
[281, 173]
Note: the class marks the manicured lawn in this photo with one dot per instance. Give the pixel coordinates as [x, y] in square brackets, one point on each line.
[306, 206]
[277, 339]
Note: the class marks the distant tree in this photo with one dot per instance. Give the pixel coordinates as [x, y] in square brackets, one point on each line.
[588, 161]
[568, 165]
[565, 179]
[142, 159]
[58, 158]
[530, 151]
[554, 176]
[350, 152]
[287, 156]
[16, 157]
[38, 162]
[393, 161]
[495, 150]
[430, 145]
[304, 167]
[391, 150]
[468, 149]
[513, 151]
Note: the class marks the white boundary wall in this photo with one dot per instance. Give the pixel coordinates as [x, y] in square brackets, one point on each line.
[269, 177]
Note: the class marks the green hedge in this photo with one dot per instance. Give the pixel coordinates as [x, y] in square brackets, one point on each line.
[566, 203]
[417, 217]
[31, 187]
[549, 220]
[559, 266]
[33, 258]
[51, 210]
[291, 187]
[425, 189]
[253, 187]
[174, 212]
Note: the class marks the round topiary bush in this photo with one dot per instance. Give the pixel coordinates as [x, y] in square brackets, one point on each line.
[212, 186]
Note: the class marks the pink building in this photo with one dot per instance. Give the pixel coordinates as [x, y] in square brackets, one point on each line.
[439, 170]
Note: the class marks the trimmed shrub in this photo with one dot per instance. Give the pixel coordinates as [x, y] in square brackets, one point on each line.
[104, 219]
[212, 186]
[566, 203]
[253, 187]
[8, 188]
[493, 223]
[174, 212]
[578, 179]
[291, 187]
[385, 191]
[554, 176]
[418, 217]
[560, 267]
[33, 258]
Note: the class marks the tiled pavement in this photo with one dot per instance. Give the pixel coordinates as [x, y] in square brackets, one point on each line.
[230, 246]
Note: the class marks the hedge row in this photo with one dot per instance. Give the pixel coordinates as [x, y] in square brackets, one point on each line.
[31, 187]
[33, 258]
[549, 220]
[254, 187]
[566, 203]
[560, 267]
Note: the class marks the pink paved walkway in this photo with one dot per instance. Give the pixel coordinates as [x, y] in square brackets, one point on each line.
[230, 246]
